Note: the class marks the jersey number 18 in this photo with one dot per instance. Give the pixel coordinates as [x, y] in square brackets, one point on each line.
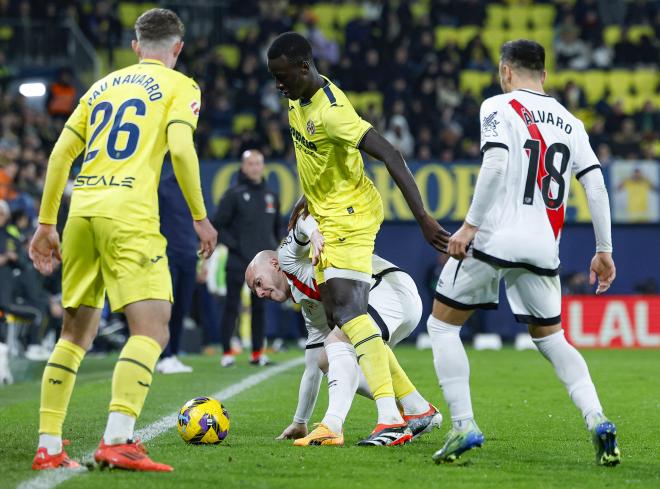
[549, 172]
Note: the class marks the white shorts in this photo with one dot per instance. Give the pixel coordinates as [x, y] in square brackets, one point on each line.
[395, 306]
[473, 284]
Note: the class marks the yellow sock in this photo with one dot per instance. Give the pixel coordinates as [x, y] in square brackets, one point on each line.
[133, 373]
[400, 381]
[371, 354]
[57, 386]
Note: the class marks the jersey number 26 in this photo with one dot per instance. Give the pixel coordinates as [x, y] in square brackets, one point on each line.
[132, 131]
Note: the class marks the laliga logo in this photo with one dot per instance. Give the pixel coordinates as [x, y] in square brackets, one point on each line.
[195, 107]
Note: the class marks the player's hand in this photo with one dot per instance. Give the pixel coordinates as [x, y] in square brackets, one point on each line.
[460, 241]
[602, 267]
[299, 210]
[318, 242]
[293, 431]
[208, 237]
[434, 233]
[45, 246]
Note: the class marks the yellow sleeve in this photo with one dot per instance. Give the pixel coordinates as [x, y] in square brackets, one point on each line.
[186, 104]
[186, 167]
[67, 148]
[344, 126]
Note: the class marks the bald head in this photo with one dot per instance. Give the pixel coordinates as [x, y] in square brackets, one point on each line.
[252, 165]
[265, 278]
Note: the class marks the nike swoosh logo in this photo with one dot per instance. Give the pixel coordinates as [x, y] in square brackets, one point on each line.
[143, 384]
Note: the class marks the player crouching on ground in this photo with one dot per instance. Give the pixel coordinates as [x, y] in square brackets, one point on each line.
[394, 305]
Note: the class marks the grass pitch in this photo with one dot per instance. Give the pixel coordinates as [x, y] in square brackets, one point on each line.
[534, 435]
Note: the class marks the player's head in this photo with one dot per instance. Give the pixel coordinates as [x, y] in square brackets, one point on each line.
[159, 34]
[521, 61]
[265, 278]
[252, 165]
[291, 64]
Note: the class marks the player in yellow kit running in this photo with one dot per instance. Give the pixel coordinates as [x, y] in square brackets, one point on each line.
[125, 124]
[328, 136]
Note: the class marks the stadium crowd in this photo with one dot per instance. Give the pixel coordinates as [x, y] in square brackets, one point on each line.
[388, 50]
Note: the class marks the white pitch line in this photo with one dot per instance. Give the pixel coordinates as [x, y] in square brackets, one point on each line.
[48, 479]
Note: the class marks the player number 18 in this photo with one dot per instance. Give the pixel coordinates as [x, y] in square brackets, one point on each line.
[533, 147]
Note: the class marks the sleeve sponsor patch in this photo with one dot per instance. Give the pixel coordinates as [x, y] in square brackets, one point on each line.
[489, 126]
[195, 107]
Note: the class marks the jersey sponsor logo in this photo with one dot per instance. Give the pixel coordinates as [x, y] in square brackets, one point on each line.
[299, 139]
[489, 126]
[311, 128]
[195, 107]
[103, 181]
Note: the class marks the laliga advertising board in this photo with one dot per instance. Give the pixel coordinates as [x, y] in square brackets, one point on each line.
[625, 321]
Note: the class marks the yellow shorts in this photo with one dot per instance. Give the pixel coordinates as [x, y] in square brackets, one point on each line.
[349, 242]
[100, 254]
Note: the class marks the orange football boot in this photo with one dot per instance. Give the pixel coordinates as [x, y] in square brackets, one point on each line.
[43, 461]
[128, 456]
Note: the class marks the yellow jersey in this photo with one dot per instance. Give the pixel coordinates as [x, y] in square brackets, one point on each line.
[326, 133]
[123, 120]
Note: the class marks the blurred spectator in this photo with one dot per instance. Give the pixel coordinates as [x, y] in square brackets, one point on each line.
[62, 95]
[638, 189]
[573, 97]
[571, 51]
[399, 136]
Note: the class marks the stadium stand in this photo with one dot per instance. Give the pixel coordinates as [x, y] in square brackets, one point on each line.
[429, 62]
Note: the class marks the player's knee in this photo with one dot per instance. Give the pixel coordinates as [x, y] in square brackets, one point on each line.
[536, 331]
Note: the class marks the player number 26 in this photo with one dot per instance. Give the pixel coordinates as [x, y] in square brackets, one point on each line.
[132, 131]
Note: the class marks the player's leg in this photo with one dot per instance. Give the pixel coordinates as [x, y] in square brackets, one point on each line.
[183, 283]
[395, 306]
[141, 285]
[81, 284]
[536, 301]
[79, 329]
[340, 363]
[463, 286]
[347, 301]
[232, 303]
[258, 332]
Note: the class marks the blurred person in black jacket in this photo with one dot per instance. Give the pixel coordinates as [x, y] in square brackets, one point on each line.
[248, 221]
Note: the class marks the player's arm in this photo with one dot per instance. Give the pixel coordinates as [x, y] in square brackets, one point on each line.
[46, 242]
[491, 175]
[588, 171]
[378, 147]
[186, 169]
[308, 228]
[495, 149]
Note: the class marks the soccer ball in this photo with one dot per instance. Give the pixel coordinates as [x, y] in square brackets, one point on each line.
[203, 420]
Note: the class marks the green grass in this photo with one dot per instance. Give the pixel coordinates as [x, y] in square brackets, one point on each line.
[534, 435]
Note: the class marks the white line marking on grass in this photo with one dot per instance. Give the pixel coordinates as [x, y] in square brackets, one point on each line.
[49, 479]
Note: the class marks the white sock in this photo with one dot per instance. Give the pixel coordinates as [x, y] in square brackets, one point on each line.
[388, 412]
[363, 387]
[414, 403]
[573, 372]
[119, 428]
[52, 443]
[453, 370]
[342, 383]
